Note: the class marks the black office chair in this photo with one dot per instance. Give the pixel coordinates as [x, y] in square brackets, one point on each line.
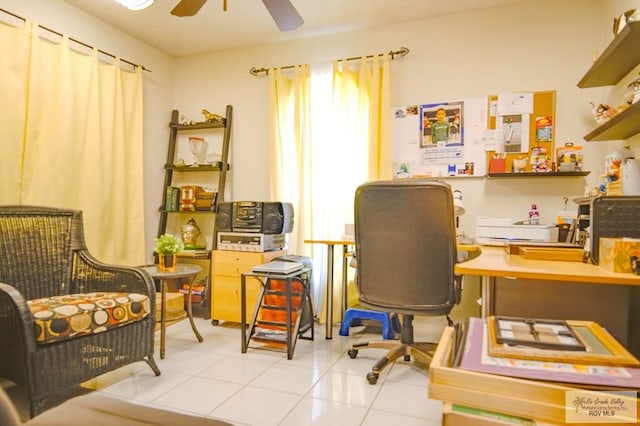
[405, 252]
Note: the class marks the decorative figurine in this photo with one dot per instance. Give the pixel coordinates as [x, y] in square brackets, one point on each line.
[190, 233]
[519, 165]
[635, 86]
[211, 118]
[603, 112]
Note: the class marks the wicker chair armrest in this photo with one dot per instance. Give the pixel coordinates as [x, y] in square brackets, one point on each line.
[90, 274]
[16, 320]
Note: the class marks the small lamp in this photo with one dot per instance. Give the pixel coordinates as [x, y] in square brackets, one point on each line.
[458, 205]
[459, 210]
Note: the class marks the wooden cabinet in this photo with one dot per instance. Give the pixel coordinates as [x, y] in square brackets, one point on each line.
[182, 177]
[227, 270]
[618, 59]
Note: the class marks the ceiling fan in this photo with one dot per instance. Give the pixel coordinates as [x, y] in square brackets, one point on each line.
[282, 11]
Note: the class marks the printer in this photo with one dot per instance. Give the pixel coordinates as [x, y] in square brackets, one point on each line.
[500, 231]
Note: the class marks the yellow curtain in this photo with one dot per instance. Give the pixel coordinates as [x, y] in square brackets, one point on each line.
[290, 148]
[319, 159]
[78, 142]
[14, 67]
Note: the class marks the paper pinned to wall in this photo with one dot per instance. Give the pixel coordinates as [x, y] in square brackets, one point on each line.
[514, 103]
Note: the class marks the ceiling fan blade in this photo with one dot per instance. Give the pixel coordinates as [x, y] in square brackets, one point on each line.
[284, 14]
[187, 7]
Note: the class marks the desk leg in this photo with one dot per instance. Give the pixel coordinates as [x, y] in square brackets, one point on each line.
[243, 314]
[488, 285]
[290, 336]
[190, 315]
[345, 251]
[329, 324]
[163, 315]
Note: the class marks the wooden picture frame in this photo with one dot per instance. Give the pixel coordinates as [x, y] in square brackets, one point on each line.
[599, 347]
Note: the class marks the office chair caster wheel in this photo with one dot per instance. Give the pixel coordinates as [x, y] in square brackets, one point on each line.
[353, 353]
[407, 358]
[372, 378]
[215, 322]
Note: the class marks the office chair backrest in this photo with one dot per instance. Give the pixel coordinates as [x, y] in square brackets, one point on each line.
[406, 246]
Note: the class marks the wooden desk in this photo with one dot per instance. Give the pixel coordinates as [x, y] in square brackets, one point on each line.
[331, 244]
[495, 262]
[346, 244]
[495, 266]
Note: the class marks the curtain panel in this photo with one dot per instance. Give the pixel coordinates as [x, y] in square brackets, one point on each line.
[328, 135]
[72, 137]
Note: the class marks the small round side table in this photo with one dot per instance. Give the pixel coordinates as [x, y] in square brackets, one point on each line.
[183, 270]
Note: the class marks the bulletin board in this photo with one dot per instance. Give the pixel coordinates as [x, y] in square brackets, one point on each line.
[497, 134]
[419, 152]
[534, 134]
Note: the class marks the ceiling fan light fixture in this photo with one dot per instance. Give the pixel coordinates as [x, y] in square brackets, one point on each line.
[135, 4]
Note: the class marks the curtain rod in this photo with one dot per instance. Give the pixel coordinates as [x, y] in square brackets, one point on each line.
[403, 51]
[78, 41]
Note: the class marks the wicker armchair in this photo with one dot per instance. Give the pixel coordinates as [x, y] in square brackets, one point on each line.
[43, 254]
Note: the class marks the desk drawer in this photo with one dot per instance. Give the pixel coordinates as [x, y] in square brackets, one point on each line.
[233, 270]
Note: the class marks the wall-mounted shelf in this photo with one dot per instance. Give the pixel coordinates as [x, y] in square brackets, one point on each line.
[620, 57]
[622, 126]
[537, 174]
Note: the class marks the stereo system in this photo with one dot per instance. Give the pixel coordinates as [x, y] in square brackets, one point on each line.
[255, 216]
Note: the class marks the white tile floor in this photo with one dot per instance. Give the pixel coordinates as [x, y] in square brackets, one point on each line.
[321, 385]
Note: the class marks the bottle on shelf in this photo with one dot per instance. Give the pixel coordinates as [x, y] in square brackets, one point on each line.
[534, 215]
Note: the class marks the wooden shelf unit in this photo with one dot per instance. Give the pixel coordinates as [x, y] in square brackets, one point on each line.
[215, 173]
[536, 174]
[620, 57]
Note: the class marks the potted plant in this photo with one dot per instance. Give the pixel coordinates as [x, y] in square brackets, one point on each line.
[167, 246]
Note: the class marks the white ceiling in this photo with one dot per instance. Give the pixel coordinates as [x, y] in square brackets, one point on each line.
[248, 23]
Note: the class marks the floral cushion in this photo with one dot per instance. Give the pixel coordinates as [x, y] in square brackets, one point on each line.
[63, 317]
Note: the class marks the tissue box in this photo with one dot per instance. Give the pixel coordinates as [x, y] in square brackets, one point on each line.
[614, 253]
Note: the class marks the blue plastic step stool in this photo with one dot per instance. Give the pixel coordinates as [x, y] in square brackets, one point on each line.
[353, 317]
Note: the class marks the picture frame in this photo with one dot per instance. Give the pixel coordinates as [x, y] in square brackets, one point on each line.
[580, 342]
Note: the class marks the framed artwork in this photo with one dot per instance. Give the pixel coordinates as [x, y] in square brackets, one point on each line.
[442, 124]
[580, 342]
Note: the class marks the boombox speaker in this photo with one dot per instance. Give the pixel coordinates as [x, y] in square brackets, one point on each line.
[254, 216]
[277, 218]
[224, 217]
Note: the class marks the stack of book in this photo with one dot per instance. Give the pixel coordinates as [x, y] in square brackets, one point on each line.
[541, 371]
[198, 291]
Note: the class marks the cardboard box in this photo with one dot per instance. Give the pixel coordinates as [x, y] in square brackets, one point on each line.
[615, 253]
[175, 306]
[540, 401]
[569, 158]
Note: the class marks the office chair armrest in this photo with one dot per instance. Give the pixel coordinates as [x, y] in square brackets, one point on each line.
[457, 288]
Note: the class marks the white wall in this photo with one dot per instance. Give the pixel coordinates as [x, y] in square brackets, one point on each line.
[541, 45]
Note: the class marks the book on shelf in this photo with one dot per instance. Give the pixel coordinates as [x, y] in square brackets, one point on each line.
[172, 199]
[199, 253]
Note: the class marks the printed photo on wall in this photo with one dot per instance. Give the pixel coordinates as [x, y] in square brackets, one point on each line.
[441, 124]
